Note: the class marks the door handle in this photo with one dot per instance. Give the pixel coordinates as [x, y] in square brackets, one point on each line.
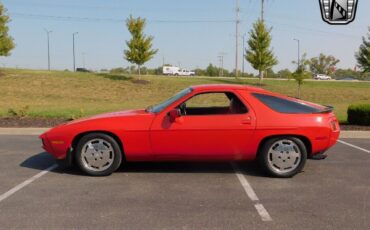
[247, 120]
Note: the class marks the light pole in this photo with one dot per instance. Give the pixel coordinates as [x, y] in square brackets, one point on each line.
[237, 21]
[83, 59]
[298, 63]
[74, 56]
[48, 38]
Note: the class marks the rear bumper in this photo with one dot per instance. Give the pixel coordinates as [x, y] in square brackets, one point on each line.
[334, 136]
[320, 146]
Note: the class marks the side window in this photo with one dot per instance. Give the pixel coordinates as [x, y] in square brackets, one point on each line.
[207, 100]
[283, 105]
[213, 104]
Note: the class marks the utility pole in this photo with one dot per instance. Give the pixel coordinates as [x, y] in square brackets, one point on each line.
[219, 68]
[48, 38]
[237, 10]
[221, 60]
[298, 59]
[74, 55]
[262, 9]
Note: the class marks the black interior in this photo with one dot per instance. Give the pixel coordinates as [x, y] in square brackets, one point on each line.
[206, 111]
[235, 107]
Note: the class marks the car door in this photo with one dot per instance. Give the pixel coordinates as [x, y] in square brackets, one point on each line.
[210, 131]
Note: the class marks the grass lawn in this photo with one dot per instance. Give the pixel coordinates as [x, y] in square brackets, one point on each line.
[65, 94]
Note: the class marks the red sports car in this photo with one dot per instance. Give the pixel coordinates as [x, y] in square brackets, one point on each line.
[204, 122]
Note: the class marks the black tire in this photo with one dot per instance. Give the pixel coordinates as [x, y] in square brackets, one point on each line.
[267, 159]
[116, 154]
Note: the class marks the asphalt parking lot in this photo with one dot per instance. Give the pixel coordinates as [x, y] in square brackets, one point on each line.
[330, 194]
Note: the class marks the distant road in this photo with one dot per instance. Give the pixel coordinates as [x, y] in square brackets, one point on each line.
[251, 78]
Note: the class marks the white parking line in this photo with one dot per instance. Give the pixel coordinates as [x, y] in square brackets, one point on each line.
[353, 146]
[26, 182]
[265, 216]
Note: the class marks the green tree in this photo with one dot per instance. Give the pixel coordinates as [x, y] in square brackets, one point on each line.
[118, 70]
[284, 73]
[200, 72]
[300, 74]
[6, 41]
[341, 73]
[140, 46]
[158, 70]
[363, 55]
[259, 54]
[212, 70]
[269, 73]
[323, 64]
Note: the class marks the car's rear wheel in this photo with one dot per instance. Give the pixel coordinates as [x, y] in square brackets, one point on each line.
[98, 154]
[283, 156]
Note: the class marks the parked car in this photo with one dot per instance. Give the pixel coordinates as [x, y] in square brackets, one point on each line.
[347, 78]
[184, 72]
[321, 77]
[83, 70]
[204, 122]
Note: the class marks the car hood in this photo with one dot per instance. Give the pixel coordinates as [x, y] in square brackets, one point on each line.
[120, 114]
[125, 113]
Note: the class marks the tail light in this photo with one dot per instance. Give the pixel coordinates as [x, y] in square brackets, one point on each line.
[334, 125]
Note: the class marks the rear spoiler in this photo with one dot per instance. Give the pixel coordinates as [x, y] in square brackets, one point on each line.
[327, 109]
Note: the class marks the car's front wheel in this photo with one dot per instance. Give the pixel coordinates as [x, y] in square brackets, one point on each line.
[98, 154]
[283, 156]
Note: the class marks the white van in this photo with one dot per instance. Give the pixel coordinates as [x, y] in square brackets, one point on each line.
[170, 70]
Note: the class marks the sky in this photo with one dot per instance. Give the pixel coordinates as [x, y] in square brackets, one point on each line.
[188, 33]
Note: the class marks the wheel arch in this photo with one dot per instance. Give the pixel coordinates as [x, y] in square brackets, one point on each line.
[78, 137]
[304, 139]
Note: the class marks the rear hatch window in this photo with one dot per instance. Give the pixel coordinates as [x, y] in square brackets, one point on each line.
[284, 105]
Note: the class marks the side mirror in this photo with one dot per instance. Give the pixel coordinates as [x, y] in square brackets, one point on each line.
[173, 114]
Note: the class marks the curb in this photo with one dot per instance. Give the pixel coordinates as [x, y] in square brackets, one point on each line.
[355, 134]
[38, 131]
[22, 131]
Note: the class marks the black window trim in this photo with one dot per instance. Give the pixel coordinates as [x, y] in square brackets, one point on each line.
[226, 114]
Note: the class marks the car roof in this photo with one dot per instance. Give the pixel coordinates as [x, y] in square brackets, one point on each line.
[225, 87]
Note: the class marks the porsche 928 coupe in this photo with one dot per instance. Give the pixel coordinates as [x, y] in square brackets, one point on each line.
[201, 123]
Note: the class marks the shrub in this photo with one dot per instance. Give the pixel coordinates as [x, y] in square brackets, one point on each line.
[22, 112]
[359, 114]
[78, 115]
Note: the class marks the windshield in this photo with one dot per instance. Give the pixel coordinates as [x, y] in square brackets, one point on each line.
[158, 108]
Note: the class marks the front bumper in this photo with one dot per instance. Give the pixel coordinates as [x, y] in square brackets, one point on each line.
[68, 160]
[56, 146]
[46, 145]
